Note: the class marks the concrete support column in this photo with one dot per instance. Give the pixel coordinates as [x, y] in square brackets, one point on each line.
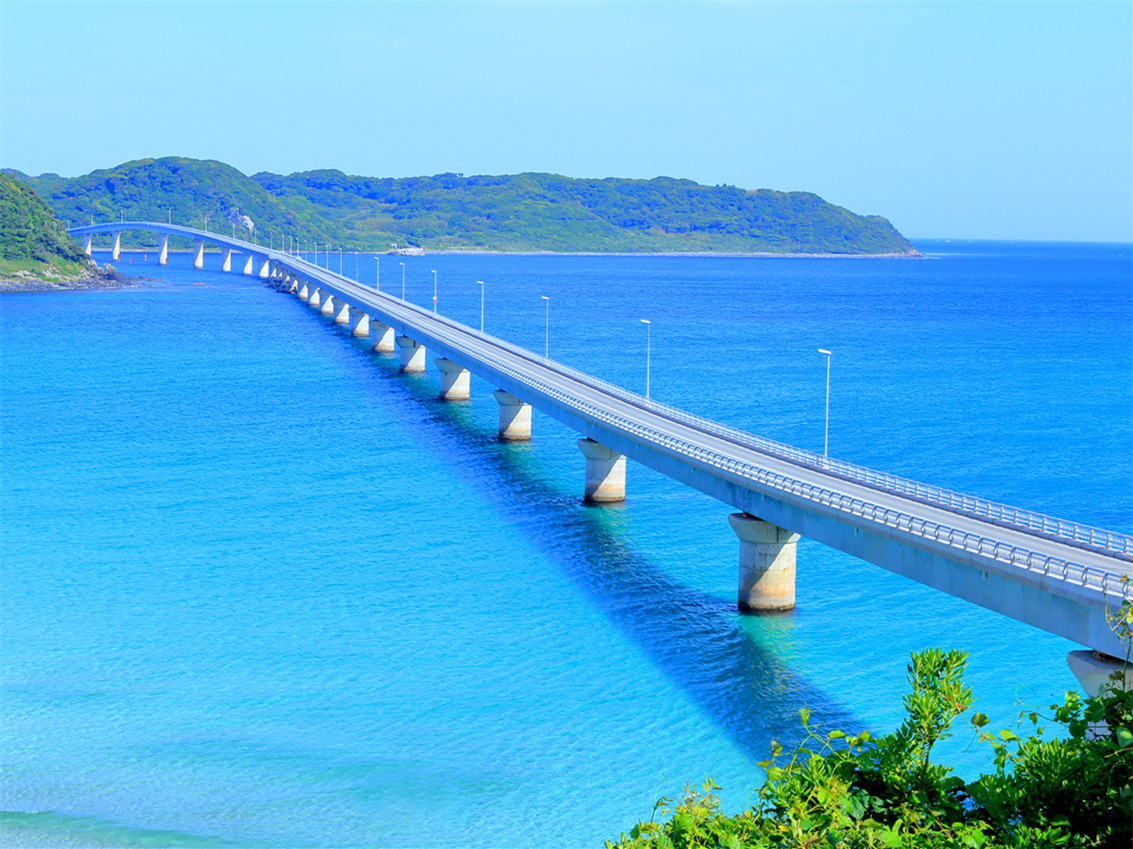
[515, 417]
[291, 287]
[343, 315]
[227, 264]
[116, 251]
[163, 255]
[412, 355]
[605, 472]
[248, 265]
[1093, 671]
[328, 305]
[316, 296]
[302, 291]
[454, 381]
[264, 267]
[767, 564]
[383, 337]
[198, 254]
[87, 239]
[359, 323]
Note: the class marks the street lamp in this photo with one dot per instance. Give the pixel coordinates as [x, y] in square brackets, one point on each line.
[340, 260]
[648, 329]
[826, 437]
[377, 274]
[481, 282]
[328, 256]
[547, 330]
[434, 292]
[402, 264]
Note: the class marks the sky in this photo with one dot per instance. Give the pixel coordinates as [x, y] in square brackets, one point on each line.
[978, 120]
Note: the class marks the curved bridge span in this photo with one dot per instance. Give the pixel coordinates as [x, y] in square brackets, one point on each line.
[1060, 576]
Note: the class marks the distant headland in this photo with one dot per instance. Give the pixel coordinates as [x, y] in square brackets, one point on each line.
[526, 213]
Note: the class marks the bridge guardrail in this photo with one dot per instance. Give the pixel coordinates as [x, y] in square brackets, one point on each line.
[1108, 583]
[1110, 541]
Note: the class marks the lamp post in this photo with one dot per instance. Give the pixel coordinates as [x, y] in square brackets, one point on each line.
[377, 274]
[434, 292]
[648, 329]
[328, 256]
[402, 264]
[826, 437]
[547, 329]
[481, 282]
[340, 260]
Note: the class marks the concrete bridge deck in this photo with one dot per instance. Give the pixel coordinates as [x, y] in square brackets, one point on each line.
[1056, 575]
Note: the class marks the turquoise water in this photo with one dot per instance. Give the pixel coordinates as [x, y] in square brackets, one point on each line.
[259, 589]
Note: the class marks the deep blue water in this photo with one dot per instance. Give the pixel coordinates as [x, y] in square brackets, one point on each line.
[259, 589]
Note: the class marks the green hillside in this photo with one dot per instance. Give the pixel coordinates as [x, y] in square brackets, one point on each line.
[521, 212]
[33, 243]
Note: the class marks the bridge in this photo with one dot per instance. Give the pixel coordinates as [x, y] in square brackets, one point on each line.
[1063, 577]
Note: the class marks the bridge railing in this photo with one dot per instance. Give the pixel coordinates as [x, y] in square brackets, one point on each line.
[1107, 583]
[1120, 545]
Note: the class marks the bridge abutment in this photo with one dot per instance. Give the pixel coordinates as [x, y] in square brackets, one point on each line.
[605, 473]
[515, 417]
[767, 564]
[412, 355]
[455, 381]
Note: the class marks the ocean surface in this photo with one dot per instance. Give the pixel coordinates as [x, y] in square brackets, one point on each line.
[261, 590]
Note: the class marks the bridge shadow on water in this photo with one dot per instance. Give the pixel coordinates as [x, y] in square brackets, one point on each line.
[699, 642]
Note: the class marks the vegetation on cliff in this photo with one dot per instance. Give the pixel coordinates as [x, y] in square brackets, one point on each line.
[522, 212]
[33, 243]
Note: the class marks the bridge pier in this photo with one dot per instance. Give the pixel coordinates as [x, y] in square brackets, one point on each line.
[605, 473]
[343, 315]
[767, 564]
[360, 323]
[383, 337]
[1092, 669]
[316, 297]
[227, 264]
[198, 254]
[163, 254]
[515, 417]
[248, 266]
[116, 251]
[455, 381]
[87, 240]
[328, 305]
[302, 291]
[412, 355]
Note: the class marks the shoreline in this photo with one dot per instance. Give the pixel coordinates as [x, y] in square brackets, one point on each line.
[488, 252]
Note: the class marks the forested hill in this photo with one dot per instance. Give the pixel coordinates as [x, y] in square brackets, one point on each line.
[521, 212]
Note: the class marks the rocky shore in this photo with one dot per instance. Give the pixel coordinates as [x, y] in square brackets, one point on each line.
[106, 277]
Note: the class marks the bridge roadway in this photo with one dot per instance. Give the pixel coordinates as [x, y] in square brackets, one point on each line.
[1056, 575]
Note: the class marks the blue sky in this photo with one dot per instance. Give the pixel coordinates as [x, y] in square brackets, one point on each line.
[952, 119]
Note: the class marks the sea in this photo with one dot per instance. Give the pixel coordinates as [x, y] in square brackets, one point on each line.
[259, 589]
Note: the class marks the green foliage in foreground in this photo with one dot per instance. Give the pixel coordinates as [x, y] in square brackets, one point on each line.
[1072, 791]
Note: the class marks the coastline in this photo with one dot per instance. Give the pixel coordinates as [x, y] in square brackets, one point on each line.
[105, 278]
